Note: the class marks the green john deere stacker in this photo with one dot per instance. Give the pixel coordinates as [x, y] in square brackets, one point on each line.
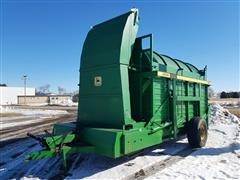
[130, 98]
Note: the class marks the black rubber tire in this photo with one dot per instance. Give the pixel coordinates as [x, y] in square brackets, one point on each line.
[197, 132]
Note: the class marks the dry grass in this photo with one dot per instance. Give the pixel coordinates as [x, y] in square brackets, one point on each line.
[233, 101]
[10, 114]
[235, 111]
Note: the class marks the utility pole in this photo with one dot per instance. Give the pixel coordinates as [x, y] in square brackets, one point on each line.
[25, 83]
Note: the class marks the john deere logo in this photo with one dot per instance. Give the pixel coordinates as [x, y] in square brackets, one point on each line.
[98, 81]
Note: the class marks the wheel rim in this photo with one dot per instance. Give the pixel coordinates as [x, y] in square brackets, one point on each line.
[203, 134]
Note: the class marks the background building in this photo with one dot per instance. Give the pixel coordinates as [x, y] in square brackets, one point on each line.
[33, 99]
[47, 99]
[9, 95]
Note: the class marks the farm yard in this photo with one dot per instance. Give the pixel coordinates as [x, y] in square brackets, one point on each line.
[15, 121]
[231, 104]
[150, 95]
[170, 160]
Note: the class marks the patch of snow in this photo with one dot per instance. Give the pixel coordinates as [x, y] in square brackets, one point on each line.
[29, 116]
[219, 159]
[220, 115]
[99, 167]
[21, 123]
[1, 108]
[63, 102]
[37, 104]
[229, 102]
[9, 109]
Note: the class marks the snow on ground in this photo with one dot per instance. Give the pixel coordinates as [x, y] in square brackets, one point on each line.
[63, 102]
[99, 167]
[37, 104]
[232, 102]
[220, 159]
[26, 116]
[10, 109]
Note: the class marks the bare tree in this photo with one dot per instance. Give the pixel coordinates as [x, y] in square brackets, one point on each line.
[61, 90]
[211, 92]
[75, 96]
[45, 89]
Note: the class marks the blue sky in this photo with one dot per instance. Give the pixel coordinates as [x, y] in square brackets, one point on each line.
[43, 39]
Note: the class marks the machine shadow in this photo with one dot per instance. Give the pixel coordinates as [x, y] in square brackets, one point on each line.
[87, 165]
[10, 141]
[231, 148]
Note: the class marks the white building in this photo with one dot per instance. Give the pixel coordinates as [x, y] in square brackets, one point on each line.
[9, 95]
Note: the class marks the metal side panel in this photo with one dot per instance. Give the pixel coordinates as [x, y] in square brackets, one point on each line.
[107, 142]
[104, 83]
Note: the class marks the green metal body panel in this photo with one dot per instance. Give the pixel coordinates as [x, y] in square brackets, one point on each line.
[105, 58]
[114, 142]
[130, 98]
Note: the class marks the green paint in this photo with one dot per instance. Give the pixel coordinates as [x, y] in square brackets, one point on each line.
[123, 105]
